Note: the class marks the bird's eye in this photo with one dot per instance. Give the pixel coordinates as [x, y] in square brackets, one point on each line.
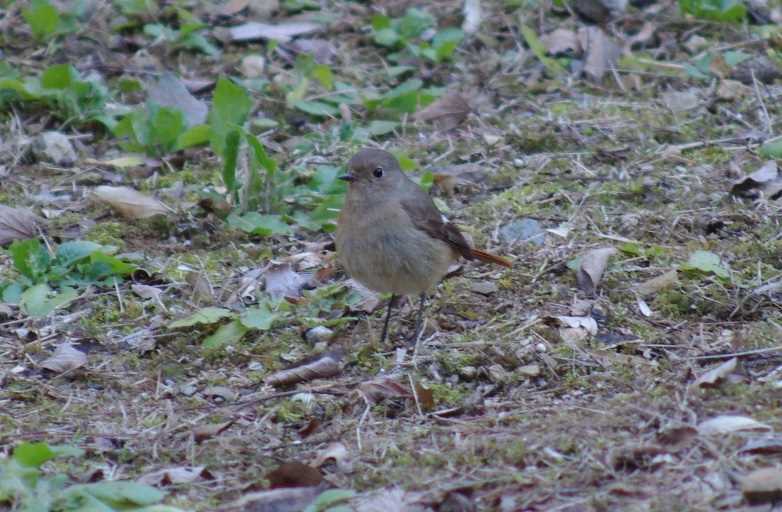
[378, 172]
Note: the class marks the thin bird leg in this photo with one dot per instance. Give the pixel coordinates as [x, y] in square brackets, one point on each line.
[388, 317]
[419, 319]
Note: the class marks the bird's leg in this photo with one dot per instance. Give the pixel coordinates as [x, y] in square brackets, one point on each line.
[388, 317]
[419, 318]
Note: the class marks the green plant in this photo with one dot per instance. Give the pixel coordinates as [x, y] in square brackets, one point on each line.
[25, 487]
[46, 281]
[260, 317]
[62, 90]
[46, 21]
[408, 35]
[186, 37]
[716, 10]
[158, 131]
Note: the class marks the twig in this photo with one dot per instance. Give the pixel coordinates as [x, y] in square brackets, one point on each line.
[741, 354]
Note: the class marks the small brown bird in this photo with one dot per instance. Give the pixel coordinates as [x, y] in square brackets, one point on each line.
[391, 237]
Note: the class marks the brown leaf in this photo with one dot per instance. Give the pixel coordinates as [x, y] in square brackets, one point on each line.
[17, 224]
[762, 485]
[381, 388]
[716, 375]
[591, 269]
[233, 7]
[203, 432]
[130, 203]
[425, 397]
[658, 283]
[322, 51]
[767, 445]
[65, 358]
[447, 112]
[281, 32]
[323, 366]
[294, 474]
[601, 51]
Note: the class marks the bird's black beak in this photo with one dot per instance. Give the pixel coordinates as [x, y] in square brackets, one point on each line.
[347, 177]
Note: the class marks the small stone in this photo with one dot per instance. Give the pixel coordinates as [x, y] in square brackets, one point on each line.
[319, 334]
[483, 287]
[529, 370]
[498, 374]
[491, 139]
[468, 372]
[253, 66]
[54, 148]
[523, 230]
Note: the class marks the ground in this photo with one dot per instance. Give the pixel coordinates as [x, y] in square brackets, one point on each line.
[629, 360]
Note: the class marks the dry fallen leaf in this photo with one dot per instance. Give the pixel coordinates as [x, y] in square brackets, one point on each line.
[173, 476]
[369, 300]
[447, 112]
[130, 203]
[561, 41]
[294, 499]
[766, 445]
[168, 90]
[282, 281]
[658, 283]
[294, 474]
[728, 424]
[717, 374]
[323, 366]
[472, 16]
[65, 358]
[762, 485]
[593, 264]
[17, 224]
[203, 432]
[601, 51]
[281, 32]
[761, 180]
[381, 388]
[338, 453]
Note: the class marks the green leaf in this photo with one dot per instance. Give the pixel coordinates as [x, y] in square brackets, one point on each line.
[259, 154]
[386, 37]
[260, 317]
[539, 50]
[706, 262]
[379, 22]
[414, 23]
[716, 10]
[30, 258]
[327, 499]
[316, 108]
[59, 76]
[43, 19]
[33, 454]
[165, 126]
[40, 300]
[230, 156]
[445, 42]
[257, 224]
[230, 106]
[121, 493]
[12, 293]
[771, 149]
[69, 253]
[227, 334]
[104, 265]
[195, 136]
[377, 128]
[205, 316]
[322, 73]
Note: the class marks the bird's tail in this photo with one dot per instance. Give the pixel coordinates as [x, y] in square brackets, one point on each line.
[490, 258]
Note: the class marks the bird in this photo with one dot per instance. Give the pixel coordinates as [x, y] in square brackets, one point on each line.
[391, 237]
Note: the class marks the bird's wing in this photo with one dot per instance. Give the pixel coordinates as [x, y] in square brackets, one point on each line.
[426, 217]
